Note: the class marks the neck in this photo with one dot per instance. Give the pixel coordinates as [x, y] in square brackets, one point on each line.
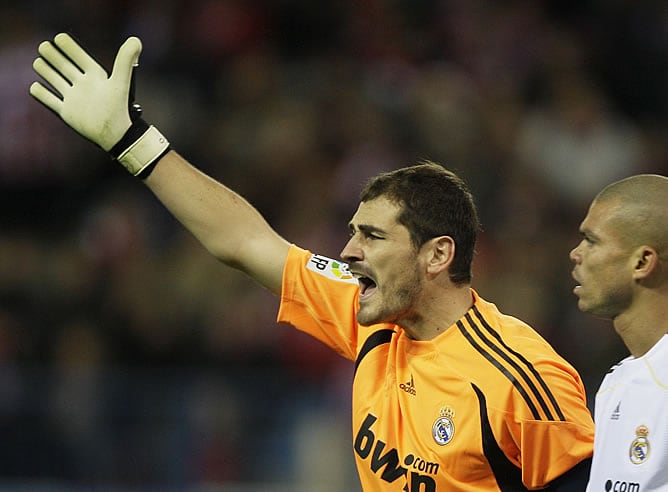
[641, 327]
[439, 310]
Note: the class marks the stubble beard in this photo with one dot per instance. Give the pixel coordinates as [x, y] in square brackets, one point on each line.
[401, 306]
[604, 307]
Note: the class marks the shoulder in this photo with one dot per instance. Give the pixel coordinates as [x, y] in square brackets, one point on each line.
[509, 331]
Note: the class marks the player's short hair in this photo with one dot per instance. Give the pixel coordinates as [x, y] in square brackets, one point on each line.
[434, 202]
[641, 214]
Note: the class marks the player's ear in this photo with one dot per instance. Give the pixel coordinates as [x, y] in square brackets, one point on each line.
[440, 253]
[646, 262]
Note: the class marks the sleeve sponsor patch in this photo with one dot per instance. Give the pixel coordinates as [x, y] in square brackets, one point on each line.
[333, 269]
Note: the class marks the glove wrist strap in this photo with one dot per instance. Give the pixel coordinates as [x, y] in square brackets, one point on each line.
[140, 147]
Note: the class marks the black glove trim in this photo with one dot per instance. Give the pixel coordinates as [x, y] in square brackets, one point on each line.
[144, 173]
[136, 130]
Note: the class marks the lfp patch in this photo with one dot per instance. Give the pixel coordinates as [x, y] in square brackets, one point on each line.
[336, 270]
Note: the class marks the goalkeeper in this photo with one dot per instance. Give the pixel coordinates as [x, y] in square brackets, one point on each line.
[449, 394]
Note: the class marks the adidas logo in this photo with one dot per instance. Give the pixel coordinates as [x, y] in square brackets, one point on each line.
[616, 413]
[409, 387]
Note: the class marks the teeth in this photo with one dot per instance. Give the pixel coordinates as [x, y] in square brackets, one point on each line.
[364, 281]
[362, 278]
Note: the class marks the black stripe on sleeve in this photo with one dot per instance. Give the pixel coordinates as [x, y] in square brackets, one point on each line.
[508, 476]
[524, 376]
[501, 368]
[376, 338]
[528, 365]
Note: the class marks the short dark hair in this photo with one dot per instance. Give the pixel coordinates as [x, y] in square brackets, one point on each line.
[434, 202]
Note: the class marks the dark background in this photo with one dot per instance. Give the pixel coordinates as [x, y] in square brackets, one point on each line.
[131, 360]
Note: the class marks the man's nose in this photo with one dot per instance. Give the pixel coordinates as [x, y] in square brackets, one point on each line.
[352, 251]
[574, 255]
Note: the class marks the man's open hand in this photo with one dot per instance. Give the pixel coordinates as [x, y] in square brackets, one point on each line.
[81, 92]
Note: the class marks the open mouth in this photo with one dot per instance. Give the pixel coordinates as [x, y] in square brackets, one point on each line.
[367, 286]
[578, 286]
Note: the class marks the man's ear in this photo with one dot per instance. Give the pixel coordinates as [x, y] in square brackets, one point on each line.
[646, 262]
[441, 253]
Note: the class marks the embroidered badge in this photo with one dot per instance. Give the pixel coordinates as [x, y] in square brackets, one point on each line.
[443, 429]
[639, 450]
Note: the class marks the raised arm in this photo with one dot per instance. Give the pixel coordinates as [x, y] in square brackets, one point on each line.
[224, 222]
[100, 107]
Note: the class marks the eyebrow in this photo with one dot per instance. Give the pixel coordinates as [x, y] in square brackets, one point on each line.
[366, 229]
[587, 232]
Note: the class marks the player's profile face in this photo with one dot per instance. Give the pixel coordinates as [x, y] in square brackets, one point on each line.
[602, 267]
[381, 255]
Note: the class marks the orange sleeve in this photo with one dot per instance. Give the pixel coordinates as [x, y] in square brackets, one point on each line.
[552, 447]
[319, 297]
[544, 425]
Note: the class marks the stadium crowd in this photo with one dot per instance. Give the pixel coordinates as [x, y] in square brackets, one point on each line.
[130, 358]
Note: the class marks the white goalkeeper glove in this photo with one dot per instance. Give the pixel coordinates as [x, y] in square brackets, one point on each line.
[98, 106]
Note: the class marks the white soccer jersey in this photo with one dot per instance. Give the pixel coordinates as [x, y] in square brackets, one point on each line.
[631, 416]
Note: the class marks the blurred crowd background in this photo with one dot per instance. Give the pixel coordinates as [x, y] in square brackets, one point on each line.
[131, 360]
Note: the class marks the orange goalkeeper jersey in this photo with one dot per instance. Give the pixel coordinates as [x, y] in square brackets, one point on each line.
[488, 405]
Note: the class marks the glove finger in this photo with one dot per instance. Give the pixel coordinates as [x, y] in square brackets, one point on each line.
[76, 53]
[51, 76]
[58, 61]
[126, 60]
[46, 97]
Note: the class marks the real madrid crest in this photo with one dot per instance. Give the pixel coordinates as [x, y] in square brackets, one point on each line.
[639, 450]
[443, 429]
